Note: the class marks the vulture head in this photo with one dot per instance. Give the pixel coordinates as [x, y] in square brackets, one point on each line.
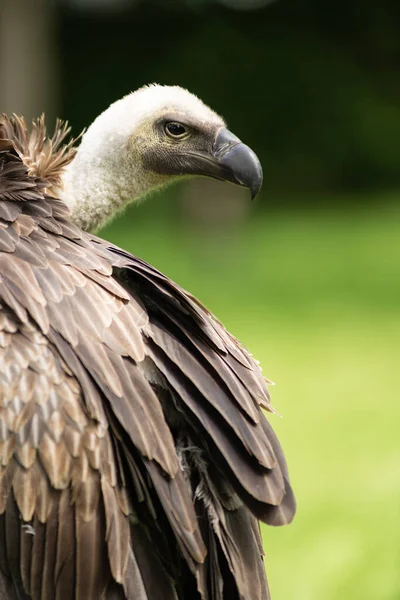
[147, 140]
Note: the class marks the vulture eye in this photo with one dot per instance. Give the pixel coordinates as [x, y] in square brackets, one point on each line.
[176, 130]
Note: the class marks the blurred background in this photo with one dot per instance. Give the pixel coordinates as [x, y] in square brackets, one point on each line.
[308, 276]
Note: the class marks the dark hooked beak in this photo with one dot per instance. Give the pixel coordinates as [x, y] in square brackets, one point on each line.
[235, 162]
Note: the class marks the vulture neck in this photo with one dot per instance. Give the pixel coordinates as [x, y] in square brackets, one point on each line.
[106, 173]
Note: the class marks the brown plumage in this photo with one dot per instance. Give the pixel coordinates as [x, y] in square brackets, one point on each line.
[135, 458]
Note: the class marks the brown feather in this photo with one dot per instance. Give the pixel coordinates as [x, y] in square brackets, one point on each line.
[133, 450]
[117, 533]
[65, 567]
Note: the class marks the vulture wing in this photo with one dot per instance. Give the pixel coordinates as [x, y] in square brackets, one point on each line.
[135, 458]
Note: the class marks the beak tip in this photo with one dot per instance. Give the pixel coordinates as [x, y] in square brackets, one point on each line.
[241, 165]
[256, 184]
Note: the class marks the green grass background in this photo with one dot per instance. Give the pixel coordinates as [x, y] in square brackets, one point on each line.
[314, 294]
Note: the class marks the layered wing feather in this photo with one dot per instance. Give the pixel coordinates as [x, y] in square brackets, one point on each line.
[134, 454]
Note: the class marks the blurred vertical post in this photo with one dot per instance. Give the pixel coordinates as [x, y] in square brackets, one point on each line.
[28, 61]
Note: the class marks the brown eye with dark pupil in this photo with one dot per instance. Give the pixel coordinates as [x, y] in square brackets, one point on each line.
[175, 129]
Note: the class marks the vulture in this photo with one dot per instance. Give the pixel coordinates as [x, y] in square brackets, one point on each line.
[136, 459]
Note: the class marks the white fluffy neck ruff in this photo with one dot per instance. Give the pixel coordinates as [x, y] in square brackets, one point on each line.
[106, 173]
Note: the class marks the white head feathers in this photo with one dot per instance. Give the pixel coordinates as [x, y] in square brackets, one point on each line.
[125, 116]
[107, 173]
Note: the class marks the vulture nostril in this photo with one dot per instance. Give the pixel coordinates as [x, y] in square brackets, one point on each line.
[224, 140]
[223, 149]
